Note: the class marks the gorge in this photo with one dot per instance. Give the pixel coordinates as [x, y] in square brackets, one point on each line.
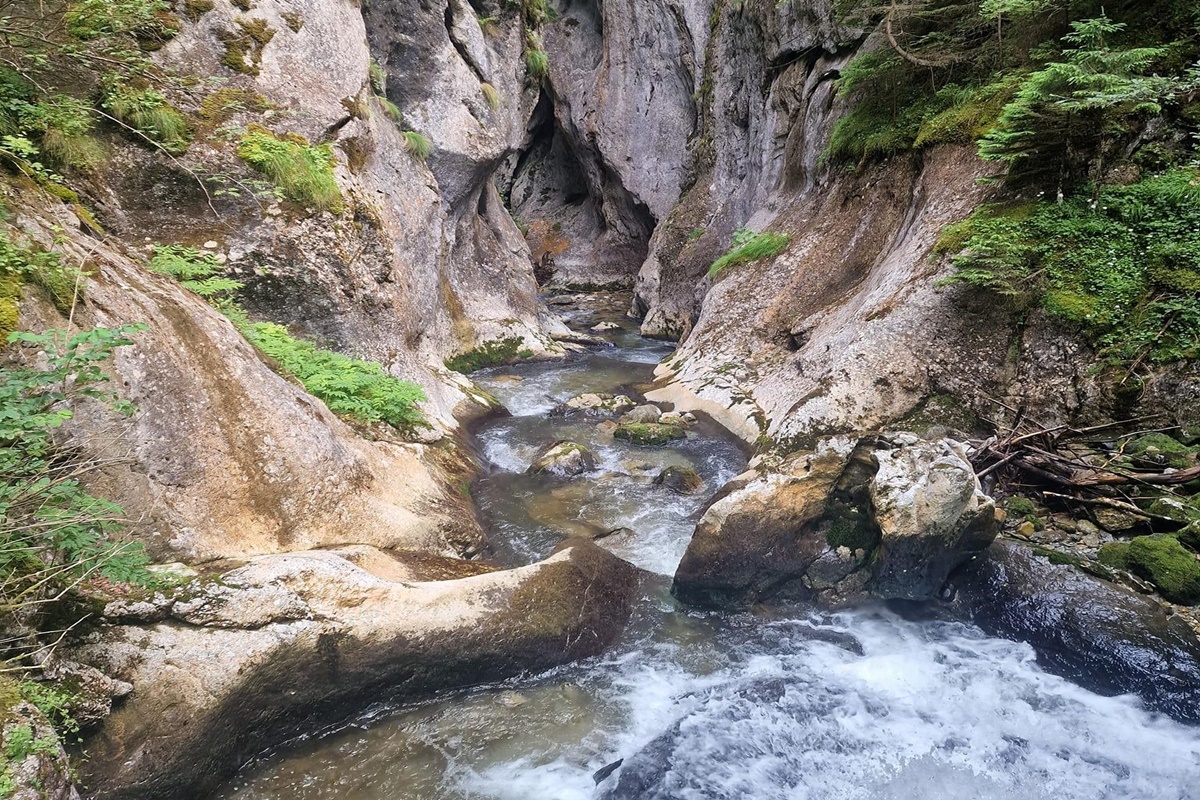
[466, 397]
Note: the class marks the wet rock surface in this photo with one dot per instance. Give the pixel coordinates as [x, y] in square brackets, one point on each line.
[1103, 636]
[563, 458]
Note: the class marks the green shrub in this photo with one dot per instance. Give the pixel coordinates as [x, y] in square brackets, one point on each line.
[148, 112]
[537, 62]
[418, 146]
[63, 283]
[390, 109]
[1124, 272]
[53, 532]
[360, 390]
[1164, 561]
[749, 246]
[302, 171]
[378, 78]
[490, 95]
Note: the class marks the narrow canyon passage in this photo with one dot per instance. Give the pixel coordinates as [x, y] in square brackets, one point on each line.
[776, 703]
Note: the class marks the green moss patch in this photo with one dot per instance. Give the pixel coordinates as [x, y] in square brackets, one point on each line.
[1160, 559]
[490, 354]
[748, 247]
[649, 434]
[244, 47]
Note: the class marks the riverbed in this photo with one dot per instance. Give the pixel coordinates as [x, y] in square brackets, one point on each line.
[776, 703]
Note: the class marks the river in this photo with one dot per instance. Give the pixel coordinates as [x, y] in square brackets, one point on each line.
[776, 703]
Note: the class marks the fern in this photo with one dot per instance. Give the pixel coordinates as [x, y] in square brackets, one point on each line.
[360, 390]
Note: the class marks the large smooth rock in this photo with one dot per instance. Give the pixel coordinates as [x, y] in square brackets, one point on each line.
[680, 480]
[756, 535]
[1101, 635]
[879, 516]
[932, 515]
[643, 414]
[208, 697]
[563, 458]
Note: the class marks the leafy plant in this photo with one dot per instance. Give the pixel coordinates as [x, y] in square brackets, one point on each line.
[1126, 271]
[360, 390]
[303, 172]
[749, 246]
[196, 270]
[146, 111]
[53, 532]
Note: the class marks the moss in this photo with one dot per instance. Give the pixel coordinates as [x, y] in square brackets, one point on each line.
[1162, 450]
[851, 528]
[489, 354]
[649, 434]
[244, 47]
[10, 298]
[1115, 555]
[195, 9]
[1190, 536]
[294, 20]
[223, 104]
[1162, 560]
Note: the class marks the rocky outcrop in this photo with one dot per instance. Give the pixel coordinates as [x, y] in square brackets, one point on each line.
[423, 261]
[609, 155]
[887, 517]
[288, 643]
[224, 457]
[1103, 636]
[931, 513]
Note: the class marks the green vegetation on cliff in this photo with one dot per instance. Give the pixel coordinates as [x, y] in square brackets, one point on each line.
[302, 171]
[54, 533]
[1092, 115]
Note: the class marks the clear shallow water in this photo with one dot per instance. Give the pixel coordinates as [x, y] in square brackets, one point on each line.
[775, 704]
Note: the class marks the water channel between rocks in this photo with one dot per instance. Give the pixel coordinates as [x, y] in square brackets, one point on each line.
[774, 704]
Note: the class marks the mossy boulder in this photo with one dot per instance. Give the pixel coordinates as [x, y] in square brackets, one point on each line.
[563, 458]
[1115, 555]
[649, 434]
[1160, 559]
[680, 480]
[1161, 450]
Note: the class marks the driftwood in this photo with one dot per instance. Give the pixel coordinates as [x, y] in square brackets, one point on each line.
[1072, 465]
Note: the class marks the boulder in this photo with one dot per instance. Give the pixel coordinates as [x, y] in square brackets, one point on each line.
[648, 434]
[563, 458]
[604, 327]
[1105, 637]
[880, 516]
[681, 480]
[757, 534]
[592, 403]
[932, 515]
[642, 415]
[208, 697]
